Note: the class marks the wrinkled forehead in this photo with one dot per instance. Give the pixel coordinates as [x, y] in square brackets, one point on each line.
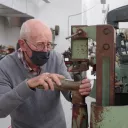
[39, 32]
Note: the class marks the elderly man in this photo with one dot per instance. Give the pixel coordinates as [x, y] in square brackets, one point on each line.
[34, 64]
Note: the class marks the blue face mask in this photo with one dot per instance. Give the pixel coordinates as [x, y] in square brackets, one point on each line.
[39, 58]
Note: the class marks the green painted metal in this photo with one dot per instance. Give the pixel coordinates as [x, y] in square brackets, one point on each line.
[105, 81]
[79, 49]
[94, 61]
[124, 77]
[109, 116]
[91, 31]
[117, 71]
[93, 91]
[124, 72]
[121, 71]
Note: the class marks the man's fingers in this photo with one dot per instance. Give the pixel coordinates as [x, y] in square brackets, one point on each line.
[48, 80]
[60, 76]
[85, 90]
[85, 81]
[44, 84]
[55, 78]
[85, 93]
[50, 83]
[88, 85]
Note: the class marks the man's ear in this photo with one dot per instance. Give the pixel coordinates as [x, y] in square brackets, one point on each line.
[22, 45]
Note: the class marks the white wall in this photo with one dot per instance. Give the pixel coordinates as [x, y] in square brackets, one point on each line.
[84, 10]
[12, 35]
[94, 12]
[114, 4]
[26, 6]
[95, 15]
[56, 13]
[2, 31]
[8, 35]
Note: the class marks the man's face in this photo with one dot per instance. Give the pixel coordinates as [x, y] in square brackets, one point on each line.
[39, 39]
[37, 46]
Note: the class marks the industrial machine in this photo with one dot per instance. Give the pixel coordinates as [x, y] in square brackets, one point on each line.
[121, 67]
[104, 35]
[110, 88]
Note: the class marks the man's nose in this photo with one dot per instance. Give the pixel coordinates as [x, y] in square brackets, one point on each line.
[45, 49]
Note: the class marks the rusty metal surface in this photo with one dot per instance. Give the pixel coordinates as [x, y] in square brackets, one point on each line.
[108, 116]
[96, 117]
[78, 33]
[77, 98]
[78, 65]
[105, 48]
[81, 33]
[79, 111]
[79, 116]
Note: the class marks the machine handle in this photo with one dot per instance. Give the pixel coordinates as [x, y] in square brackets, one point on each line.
[66, 85]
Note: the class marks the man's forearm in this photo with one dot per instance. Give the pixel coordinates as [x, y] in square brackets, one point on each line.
[13, 98]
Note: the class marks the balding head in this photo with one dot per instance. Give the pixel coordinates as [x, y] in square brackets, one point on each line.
[35, 31]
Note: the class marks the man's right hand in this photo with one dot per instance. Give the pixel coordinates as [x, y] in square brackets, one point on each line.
[46, 80]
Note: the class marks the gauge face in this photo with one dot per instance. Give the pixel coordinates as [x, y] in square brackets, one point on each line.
[80, 49]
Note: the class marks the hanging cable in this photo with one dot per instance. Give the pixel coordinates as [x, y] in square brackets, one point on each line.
[77, 15]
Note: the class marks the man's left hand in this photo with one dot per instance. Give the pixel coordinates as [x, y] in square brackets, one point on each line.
[85, 87]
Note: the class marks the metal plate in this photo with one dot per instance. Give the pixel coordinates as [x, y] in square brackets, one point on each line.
[109, 116]
[79, 49]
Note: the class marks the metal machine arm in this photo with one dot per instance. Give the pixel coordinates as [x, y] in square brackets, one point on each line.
[117, 15]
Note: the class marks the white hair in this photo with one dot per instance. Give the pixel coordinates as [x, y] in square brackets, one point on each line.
[32, 29]
[24, 31]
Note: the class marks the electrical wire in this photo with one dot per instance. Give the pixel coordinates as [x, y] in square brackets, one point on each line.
[77, 15]
[83, 11]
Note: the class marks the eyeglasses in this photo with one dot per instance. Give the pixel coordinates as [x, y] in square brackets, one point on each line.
[40, 46]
